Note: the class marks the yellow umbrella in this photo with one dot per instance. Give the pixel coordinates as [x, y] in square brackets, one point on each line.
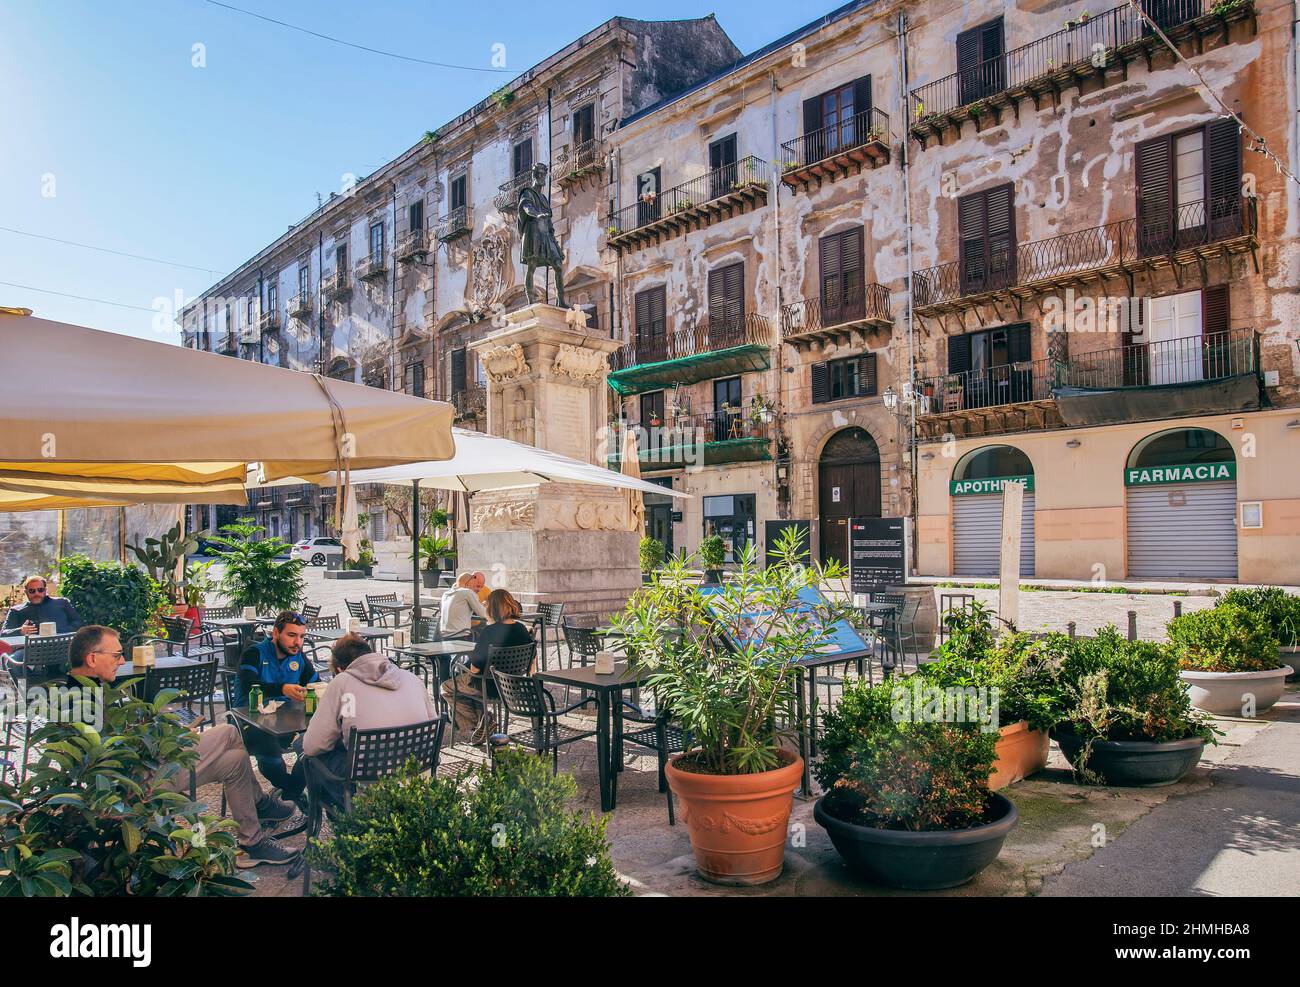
[631, 466]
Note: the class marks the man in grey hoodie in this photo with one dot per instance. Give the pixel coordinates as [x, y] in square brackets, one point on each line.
[367, 692]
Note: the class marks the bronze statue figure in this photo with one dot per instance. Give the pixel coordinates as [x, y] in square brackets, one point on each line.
[537, 244]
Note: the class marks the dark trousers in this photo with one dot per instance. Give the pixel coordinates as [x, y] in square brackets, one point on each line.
[328, 785]
[269, 753]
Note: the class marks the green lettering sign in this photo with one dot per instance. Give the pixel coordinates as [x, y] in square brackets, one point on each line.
[987, 485]
[1148, 476]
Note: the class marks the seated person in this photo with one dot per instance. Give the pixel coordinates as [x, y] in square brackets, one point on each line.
[506, 630]
[95, 652]
[279, 666]
[26, 618]
[459, 607]
[480, 587]
[367, 692]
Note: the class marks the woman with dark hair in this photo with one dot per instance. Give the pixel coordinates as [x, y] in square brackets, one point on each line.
[506, 630]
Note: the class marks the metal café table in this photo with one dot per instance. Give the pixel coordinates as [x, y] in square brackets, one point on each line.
[287, 721]
[441, 654]
[334, 633]
[608, 690]
[242, 626]
[807, 706]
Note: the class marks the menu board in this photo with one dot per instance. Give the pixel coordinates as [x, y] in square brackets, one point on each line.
[754, 626]
[877, 553]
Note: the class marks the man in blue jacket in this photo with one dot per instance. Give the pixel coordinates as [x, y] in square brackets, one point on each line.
[41, 608]
[279, 666]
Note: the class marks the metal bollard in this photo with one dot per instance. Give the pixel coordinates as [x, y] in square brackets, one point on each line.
[1132, 625]
[1069, 628]
[496, 743]
[1178, 608]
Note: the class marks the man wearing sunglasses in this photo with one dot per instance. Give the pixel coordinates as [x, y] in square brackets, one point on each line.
[95, 655]
[41, 608]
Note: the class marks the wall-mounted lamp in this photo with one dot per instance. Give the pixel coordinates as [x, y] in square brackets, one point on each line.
[890, 398]
[1073, 444]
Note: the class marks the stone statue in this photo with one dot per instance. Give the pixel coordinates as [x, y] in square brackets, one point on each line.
[537, 244]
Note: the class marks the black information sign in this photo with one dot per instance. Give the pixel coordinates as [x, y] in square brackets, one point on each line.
[772, 531]
[877, 553]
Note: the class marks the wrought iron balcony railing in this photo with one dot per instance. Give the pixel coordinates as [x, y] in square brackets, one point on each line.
[697, 202]
[301, 304]
[1120, 245]
[507, 197]
[862, 304]
[470, 402]
[861, 139]
[1086, 45]
[662, 438]
[337, 285]
[372, 267]
[656, 344]
[458, 222]
[1184, 360]
[269, 321]
[412, 245]
[573, 162]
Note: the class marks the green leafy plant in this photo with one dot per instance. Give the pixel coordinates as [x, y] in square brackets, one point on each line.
[503, 97]
[1115, 689]
[1225, 638]
[255, 576]
[433, 549]
[652, 554]
[725, 662]
[438, 518]
[887, 771]
[163, 558]
[502, 832]
[713, 552]
[1279, 609]
[198, 583]
[95, 816]
[123, 597]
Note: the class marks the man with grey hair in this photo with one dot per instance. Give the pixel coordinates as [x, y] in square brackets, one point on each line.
[460, 605]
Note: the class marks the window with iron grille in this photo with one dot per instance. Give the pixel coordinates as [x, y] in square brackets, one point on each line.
[458, 381]
[840, 257]
[458, 191]
[651, 324]
[415, 216]
[727, 297]
[1188, 187]
[523, 157]
[980, 65]
[584, 118]
[377, 241]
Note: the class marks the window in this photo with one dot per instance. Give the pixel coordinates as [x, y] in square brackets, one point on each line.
[722, 165]
[458, 370]
[980, 65]
[341, 258]
[652, 408]
[1189, 188]
[304, 276]
[840, 256]
[728, 409]
[836, 120]
[648, 186]
[726, 306]
[593, 317]
[377, 241]
[250, 309]
[272, 296]
[987, 228]
[458, 192]
[584, 120]
[230, 323]
[991, 367]
[651, 325]
[523, 157]
[836, 380]
[415, 216]
[414, 379]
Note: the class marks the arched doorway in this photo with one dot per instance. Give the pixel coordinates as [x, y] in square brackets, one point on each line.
[848, 485]
[976, 494]
[1181, 487]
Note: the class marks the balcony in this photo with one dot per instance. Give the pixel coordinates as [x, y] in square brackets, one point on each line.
[507, 197]
[413, 246]
[714, 348]
[372, 268]
[810, 321]
[457, 223]
[1086, 256]
[576, 162]
[836, 151]
[470, 403]
[713, 438]
[269, 321]
[337, 286]
[728, 191]
[250, 336]
[1084, 49]
[1214, 373]
[300, 305]
[228, 343]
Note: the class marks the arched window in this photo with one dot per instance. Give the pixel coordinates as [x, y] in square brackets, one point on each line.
[993, 461]
[1179, 446]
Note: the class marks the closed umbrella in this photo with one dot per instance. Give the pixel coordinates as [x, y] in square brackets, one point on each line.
[631, 467]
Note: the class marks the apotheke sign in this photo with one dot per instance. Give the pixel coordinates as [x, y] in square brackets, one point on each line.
[990, 485]
[1147, 476]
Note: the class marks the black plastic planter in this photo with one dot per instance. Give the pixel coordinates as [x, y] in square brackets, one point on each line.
[1134, 763]
[920, 861]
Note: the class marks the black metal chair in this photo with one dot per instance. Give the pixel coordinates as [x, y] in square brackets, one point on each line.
[197, 685]
[517, 660]
[584, 643]
[357, 610]
[657, 732]
[426, 629]
[220, 613]
[178, 632]
[381, 618]
[44, 659]
[372, 755]
[309, 612]
[525, 698]
[549, 615]
[330, 623]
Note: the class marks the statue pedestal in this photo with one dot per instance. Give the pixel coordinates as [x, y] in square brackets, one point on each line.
[560, 541]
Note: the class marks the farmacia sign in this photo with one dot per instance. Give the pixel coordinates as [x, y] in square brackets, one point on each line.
[1145, 476]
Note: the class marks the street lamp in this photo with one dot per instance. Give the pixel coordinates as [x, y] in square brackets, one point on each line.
[891, 398]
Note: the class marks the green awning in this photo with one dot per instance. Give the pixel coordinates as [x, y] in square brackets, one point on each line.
[691, 369]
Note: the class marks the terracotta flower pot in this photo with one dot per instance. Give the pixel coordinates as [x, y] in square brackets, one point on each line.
[1020, 753]
[737, 823]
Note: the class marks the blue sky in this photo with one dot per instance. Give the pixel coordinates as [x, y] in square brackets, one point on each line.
[112, 137]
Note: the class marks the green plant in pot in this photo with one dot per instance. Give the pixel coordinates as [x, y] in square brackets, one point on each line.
[907, 802]
[437, 554]
[255, 576]
[1228, 656]
[713, 554]
[1127, 717]
[651, 552]
[1282, 611]
[123, 597]
[723, 661]
[164, 558]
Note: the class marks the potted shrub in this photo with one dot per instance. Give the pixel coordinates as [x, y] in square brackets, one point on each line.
[198, 584]
[255, 576]
[501, 831]
[1228, 656]
[713, 553]
[1281, 610]
[1015, 668]
[725, 664]
[123, 597]
[907, 802]
[438, 556]
[164, 558]
[1127, 717]
[652, 556]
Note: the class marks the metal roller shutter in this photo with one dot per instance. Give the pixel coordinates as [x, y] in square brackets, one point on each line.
[977, 535]
[1183, 531]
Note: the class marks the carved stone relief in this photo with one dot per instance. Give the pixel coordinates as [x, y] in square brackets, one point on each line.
[504, 363]
[491, 265]
[504, 516]
[579, 364]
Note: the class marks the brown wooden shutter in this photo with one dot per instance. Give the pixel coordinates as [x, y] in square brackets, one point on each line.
[972, 232]
[958, 354]
[867, 374]
[829, 259]
[812, 115]
[1155, 200]
[1019, 345]
[1001, 219]
[821, 385]
[1223, 139]
[862, 101]
[968, 57]
[1214, 310]
[457, 370]
[1217, 351]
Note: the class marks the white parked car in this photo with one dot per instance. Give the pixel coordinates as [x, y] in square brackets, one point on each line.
[316, 550]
